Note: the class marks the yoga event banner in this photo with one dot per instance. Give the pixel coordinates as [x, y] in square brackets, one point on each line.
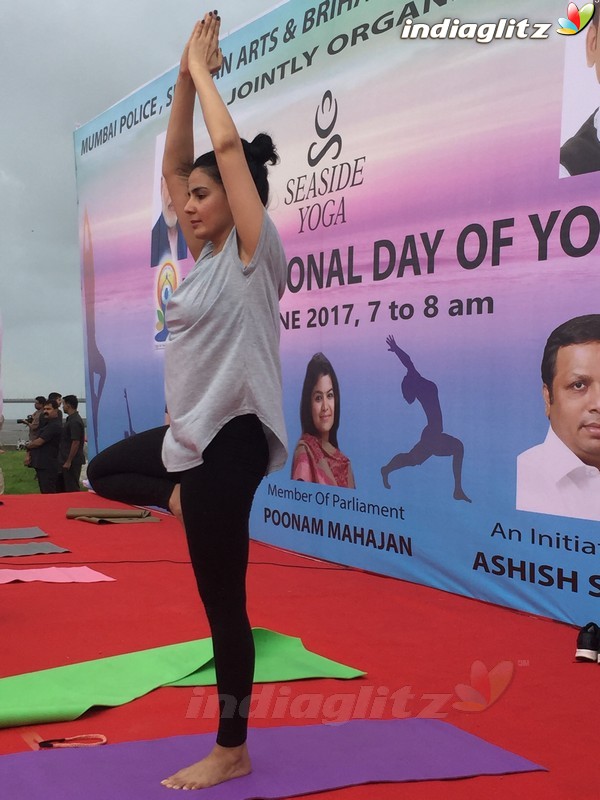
[434, 241]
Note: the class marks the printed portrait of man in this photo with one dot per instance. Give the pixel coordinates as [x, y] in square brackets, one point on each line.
[562, 475]
[167, 237]
[167, 242]
[581, 152]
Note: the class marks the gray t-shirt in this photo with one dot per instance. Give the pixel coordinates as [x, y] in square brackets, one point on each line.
[222, 354]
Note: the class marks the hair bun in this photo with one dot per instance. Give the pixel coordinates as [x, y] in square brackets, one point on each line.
[262, 149]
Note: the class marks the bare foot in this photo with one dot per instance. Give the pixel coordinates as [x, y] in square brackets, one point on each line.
[460, 495]
[222, 764]
[175, 503]
[384, 477]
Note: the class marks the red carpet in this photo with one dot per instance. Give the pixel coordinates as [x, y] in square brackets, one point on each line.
[416, 644]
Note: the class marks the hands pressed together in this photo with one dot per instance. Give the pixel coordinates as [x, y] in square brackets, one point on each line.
[202, 50]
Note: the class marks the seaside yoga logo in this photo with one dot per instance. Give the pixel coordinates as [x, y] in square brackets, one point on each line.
[578, 19]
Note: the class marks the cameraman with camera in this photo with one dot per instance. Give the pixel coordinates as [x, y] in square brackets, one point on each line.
[33, 423]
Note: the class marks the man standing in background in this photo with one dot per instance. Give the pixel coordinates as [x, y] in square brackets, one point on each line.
[1, 406]
[1, 393]
[70, 451]
[58, 398]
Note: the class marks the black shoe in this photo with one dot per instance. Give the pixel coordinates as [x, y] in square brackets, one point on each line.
[588, 643]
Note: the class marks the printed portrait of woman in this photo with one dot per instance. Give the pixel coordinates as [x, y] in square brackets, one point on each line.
[317, 458]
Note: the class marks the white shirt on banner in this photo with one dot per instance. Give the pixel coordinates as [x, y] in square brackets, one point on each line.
[551, 479]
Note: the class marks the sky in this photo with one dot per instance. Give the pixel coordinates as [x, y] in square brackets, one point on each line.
[62, 64]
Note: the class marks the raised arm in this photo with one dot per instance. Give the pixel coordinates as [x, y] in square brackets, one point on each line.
[243, 198]
[179, 150]
[404, 357]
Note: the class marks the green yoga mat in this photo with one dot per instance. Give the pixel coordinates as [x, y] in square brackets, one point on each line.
[278, 658]
[65, 693]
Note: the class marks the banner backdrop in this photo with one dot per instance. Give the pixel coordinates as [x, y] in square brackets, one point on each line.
[433, 243]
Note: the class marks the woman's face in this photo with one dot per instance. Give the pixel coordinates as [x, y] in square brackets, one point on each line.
[208, 209]
[322, 402]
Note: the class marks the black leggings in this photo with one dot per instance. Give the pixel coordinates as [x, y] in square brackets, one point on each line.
[216, 498]
[132, 471]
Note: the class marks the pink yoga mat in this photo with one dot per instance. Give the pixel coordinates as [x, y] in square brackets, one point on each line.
[53, 575]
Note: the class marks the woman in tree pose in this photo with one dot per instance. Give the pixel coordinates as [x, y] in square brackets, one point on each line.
[222, 374]
[222, 383]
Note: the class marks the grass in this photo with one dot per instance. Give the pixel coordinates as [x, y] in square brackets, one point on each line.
[18, 479]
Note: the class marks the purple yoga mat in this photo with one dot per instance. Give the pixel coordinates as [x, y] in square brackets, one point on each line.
[287, 761]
